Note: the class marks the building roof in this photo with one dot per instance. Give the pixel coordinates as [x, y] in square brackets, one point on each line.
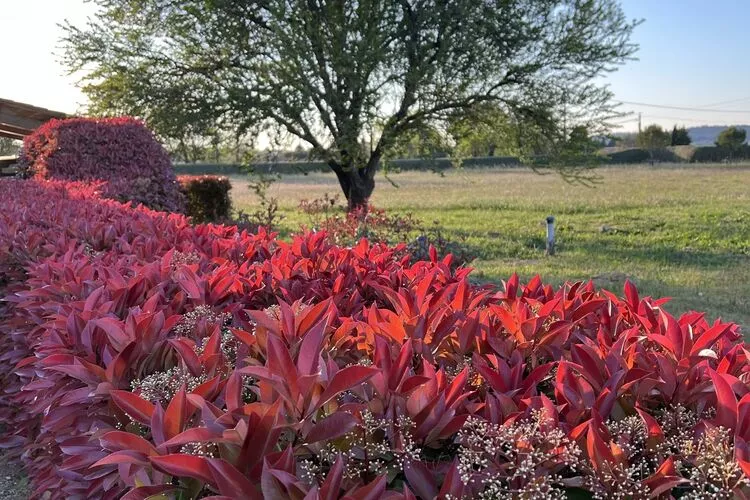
[18, 120]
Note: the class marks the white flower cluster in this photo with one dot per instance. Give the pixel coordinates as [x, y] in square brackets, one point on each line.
[630, 434]
[190, 320]
[229, 345]
[518, 460]
[677, 423]
[453, 371]
[184, 259]
[162, 386]
[274, 311]
[619, 482]
[209, 450]
[368, 450]
[711, 465]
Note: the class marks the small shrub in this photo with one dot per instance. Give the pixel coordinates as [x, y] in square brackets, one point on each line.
[434, 237]
[375, 224]
[326, 205]
[206, 197]
[346, 228]
[120, 151]
[267, 214]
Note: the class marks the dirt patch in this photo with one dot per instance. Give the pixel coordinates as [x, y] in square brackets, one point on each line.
[13, 483]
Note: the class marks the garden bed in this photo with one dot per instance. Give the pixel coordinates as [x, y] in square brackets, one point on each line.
[143, 355]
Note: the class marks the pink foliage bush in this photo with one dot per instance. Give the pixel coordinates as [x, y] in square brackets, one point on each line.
[120, 151]
[144, 356]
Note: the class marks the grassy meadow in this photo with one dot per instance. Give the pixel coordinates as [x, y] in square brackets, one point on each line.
[679, 231]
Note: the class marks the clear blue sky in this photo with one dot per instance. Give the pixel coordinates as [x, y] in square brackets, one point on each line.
[693, 53]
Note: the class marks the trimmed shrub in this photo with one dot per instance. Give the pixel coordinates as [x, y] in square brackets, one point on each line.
[120, 151]
[206, 197]
[717, 154]
[143, 356]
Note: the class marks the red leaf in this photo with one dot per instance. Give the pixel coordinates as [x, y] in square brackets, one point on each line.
[709, 337]
[631, 293]
[136, 407]
[726, 401]
[402, 363]
[146, 492]
[309, 352]
[194, 435]
[420, 479]
[176, 414]
[372, 491]
[233, 391]
[452, 484]
[114, 330]
[653, 429]
[345, 379]
[182, 465]
[598, 450]
[331, 427]
[122, 457]
[664, 479]
[120, 440]
[188, 355]
[231, 482]
[118, 366]
[330, 488]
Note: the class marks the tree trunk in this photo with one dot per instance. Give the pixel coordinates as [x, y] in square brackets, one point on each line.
[357, 186]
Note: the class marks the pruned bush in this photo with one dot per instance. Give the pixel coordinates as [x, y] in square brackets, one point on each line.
[718, 154]
[206, 197]
[143, 356]
[120, 151]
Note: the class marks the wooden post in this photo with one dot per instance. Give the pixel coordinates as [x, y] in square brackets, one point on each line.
[550, 236]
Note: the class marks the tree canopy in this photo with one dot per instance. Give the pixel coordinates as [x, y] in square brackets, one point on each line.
[680, 137]
[652, 138]
[732, 138]
[348, 77]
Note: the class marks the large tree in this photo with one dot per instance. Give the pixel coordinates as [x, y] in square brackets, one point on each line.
[732, 138]
[349, 77]
[680, 137]
[653, 138]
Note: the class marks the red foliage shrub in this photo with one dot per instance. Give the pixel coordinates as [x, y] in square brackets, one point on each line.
[146, 356]
[206, 197]
[120, 151]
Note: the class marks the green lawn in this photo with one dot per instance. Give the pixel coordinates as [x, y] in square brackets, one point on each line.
[676, 231]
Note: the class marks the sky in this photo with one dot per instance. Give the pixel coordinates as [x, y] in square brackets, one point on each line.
[693, 54]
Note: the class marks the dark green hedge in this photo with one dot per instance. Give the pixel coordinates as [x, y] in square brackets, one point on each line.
[319, 166]
[206, 197]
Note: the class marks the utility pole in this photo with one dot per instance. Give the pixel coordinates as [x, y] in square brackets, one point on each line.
[639, 123]
[565, 116]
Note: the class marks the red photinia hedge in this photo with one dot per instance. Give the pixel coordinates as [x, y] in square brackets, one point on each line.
[143, 356]
[206, 197]
[120, 151]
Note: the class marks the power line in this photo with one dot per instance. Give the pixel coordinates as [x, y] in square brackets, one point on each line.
[721, 103]
[681, 108]
[676, 119]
